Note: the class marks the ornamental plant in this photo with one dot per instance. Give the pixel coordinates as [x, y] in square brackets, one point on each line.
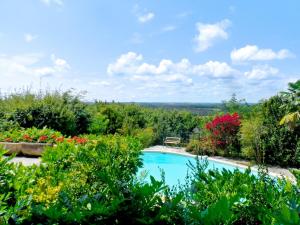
[36, 135]
[223, 132]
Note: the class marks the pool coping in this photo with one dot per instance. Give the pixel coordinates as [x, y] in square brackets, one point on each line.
[181, 151]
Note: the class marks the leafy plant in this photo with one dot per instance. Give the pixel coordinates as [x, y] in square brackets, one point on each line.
[223, 132]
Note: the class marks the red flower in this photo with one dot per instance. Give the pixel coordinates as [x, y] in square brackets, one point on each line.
[27, 137]
[53, 136]
[79, 140]
[43, 138]
[223, 129]
[60, 139]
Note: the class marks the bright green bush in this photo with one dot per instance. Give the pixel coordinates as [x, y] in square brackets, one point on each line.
[128, 119]
[31, 135]
[99, 124]
[224, 197]
[59, 111]
[95, 184]
[202, 146]
[145, 136]
[250, 135]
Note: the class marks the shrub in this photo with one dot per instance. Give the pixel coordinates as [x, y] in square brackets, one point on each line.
[224, 133]
[145, 136]
[278, 142]
[59, 111]
[250, 134]
[203, 146]
[99, 124]
[95, 184]
[225, 197]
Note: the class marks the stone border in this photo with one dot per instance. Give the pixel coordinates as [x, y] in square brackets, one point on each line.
[25, 148]
[181, 151]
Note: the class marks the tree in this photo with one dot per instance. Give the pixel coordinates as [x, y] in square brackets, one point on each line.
[291, 105]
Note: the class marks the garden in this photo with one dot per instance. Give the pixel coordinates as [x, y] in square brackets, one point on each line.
[88, 170]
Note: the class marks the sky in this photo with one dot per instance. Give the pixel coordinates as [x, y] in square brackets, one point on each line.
[150, 50]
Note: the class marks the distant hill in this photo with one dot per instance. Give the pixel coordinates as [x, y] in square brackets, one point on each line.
[197, 108]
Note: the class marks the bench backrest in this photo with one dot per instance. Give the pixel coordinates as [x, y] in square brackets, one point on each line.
[175, 139]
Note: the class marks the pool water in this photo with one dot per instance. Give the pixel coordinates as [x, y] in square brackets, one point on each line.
[174, 166]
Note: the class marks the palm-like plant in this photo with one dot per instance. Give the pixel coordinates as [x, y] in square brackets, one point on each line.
[292, 105]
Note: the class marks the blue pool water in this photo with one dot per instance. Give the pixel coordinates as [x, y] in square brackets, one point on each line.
[174, 166]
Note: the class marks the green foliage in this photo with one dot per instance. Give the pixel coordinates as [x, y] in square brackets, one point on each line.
[172, 123]
[131, 119]
[6, 125]
[59, 111]
[30, 135]
[202, 146]
[237, 106]
[224, 197]
[95, 184]
[291, 105]
[250, 133]
[279, 143]
[99, 124]
[145, 136]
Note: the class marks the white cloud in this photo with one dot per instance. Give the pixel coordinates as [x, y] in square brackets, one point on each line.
[216, 69]
[142, 15]
[133, 65]
[146, 17]
[29, 37]
[59, 63]
[254, 53]
[208, 34]
[125, 63]
[261, 72]
[24, 68]
[54, 2]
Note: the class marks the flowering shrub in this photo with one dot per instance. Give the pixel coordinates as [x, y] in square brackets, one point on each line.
[40, 136]
[77, 140]
[223, 132]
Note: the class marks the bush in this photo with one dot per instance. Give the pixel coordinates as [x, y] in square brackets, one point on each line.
[95, 184]
[145, 136]
[224, 133]
[99, 124]
[224, 197]
[278, 142]
[203, 146]
[250, 134]
[59, 111]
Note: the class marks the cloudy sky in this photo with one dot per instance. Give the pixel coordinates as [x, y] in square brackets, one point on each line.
[151, 51]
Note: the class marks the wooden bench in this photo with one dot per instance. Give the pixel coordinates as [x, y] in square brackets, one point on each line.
[172, 140]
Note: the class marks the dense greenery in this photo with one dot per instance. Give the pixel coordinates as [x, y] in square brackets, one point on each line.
[60, 111]
[96, 184]
[69, 115]
[91, 179]
[269, 131]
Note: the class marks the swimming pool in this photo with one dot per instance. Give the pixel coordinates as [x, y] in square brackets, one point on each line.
[174, 166]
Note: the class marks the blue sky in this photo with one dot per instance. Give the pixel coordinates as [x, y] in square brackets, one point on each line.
[152, 51]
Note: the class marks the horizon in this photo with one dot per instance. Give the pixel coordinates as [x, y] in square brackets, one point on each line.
[142, 51]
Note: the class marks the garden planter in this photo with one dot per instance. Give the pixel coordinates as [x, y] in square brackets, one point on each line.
[33, 149]
[30, 149]
[11, 147]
